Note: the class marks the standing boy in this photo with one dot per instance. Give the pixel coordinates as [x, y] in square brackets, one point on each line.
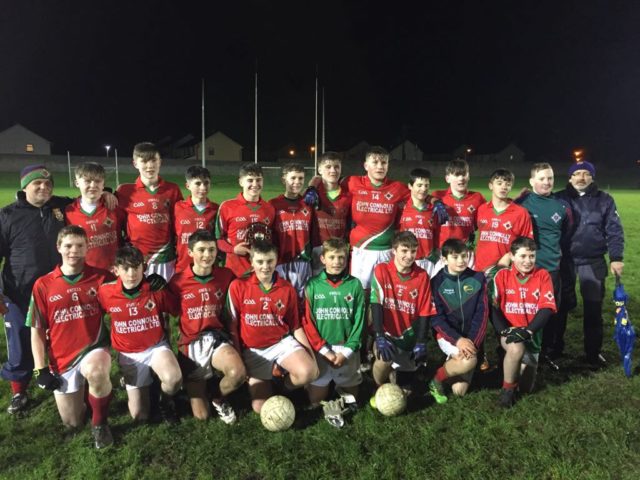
[66, 326]
[237, 215]
[292, 229]
[523, 302]
[401, 305]
[195, 213]
[139, 333]
[149, 206]
[205, 344]
[333, 323]
[264, 313]
[460, 322]
[104, 227]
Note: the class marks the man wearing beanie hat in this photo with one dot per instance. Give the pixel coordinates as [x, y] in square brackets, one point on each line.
[597, 230]
[28, 231]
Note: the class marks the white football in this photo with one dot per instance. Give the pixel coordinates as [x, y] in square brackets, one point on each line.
[390, 400]
[277, 414]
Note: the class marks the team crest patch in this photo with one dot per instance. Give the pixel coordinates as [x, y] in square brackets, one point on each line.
[150, 305]
[549, 296]
[388, 195]
[92, 292]
[555, 217]
[471, 209]
[107, 222]
[467, 289]
[279, 305]
[58, 214]
[507, 225]
[413, 293]
[305, 212]
[349, 298]
[267, 221]
[536, 294]
[219, 294]
[167, 203]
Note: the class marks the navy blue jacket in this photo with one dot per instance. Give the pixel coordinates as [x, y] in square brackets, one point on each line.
[461, 305]
[597, 229]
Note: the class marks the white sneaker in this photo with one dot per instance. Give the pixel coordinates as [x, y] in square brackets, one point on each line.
[225, 411]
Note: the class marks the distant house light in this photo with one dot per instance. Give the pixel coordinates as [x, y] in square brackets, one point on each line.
[29, 148]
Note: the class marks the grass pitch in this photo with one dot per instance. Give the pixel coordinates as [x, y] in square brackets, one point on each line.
[577, 424]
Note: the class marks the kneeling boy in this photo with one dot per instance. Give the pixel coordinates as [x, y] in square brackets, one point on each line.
[523, 302]
[265, 321]
[204, 343]
[460, 297]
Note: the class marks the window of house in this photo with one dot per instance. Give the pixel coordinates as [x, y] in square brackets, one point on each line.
[29, 147]
[212, 151]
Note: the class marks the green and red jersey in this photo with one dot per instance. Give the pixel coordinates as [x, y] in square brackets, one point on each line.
[404, 298]
[334, 312]
[498, 230]
[150, 218]
[104, 229]
[201, 301]
[137, 320]
[68, 310]
[264, 317]
[462, 212]
[187, 218]
[292, 228]
[332, 215]
[234, 217]
[419, 222]
[374, 211]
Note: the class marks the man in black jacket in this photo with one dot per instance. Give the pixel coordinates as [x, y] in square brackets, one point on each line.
[597, 231]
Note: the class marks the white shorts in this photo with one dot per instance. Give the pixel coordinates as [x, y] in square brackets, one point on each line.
[297, 273]
[136, 367]
[165, 270]
[450, 350]
[200, 353]
[345, 376]
[259, 361]
[72, 380]
[363, 261]
[428, 266]
[316, 264]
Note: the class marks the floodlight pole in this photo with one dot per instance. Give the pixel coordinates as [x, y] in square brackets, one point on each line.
[69, 166]
[204, 161]
[315, 137]
[323, 144]
[115, 150]
[255, 119]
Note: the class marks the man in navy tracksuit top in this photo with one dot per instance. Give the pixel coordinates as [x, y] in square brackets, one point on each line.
[460, 323]
[597, 231]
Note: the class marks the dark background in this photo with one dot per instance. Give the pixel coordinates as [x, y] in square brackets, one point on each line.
[550, 76]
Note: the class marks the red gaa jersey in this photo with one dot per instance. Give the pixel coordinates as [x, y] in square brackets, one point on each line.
[70, 313]
[332, 216]
[187, 219]
[420, 223]
[264, 317]
[462, 214]
[292, 228]
[201, 301]
[521, 296]
[150, 218]
[104, 231]
[234, 217]
[497, 231]
[374, 211]
[137, 320]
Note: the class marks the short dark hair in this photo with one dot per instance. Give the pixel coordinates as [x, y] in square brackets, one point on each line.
[329, 157]
[197, 171]
[404, 238]
[90, 170]
[145, 151]
[454, 245]
[375, 151]
[536, 167]
[457, 166]
[128, 256]
[417, 173]
[292, 167]
[252, 169]
[76, 230]
[502, 174]
[523, 242]
[334, 243]
[264, 247]
[201, 235]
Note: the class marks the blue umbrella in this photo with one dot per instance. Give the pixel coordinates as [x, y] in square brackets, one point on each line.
[624, 333]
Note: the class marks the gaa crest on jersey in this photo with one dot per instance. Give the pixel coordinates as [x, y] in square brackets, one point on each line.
[107, 222]
[58, 214]
[507, 225]
[150, 305]
[536, 293]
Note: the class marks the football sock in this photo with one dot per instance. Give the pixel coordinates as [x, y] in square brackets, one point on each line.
[509, 386]
[100, 408]
[18, 387]
[441, 375]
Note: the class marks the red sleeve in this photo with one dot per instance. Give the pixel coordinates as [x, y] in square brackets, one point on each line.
[547, 299]
[426, 308]
[315, 340]
[293, 315]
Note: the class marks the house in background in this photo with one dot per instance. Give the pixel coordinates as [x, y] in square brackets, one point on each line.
[406, 151]
[21, 140]
[219, 147]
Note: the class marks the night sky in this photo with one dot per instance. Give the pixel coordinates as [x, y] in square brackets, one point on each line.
[549, 76]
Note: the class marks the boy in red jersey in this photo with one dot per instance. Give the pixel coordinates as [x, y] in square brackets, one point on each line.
[204, 343]
[500, 222]
[103, 226]
[149, 206]
[462, 206]
[401, 305]
[195, 213]
[333, 207]
[417, 218]
[139, 335]
[66, 326]
[236, 215]
[264, 314]
[292, 229]
[523, 302]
